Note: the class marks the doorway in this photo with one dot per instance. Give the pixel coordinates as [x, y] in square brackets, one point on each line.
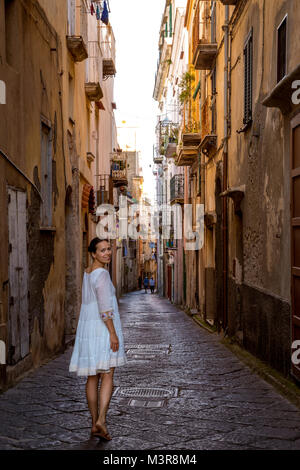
[295, 235]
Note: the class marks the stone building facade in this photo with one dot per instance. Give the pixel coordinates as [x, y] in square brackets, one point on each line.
[240, 157]
[55, 140]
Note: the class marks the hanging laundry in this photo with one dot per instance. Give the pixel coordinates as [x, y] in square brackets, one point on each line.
[98, 13]
[104, 16]
[92, 9]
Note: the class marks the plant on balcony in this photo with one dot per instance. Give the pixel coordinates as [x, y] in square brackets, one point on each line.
[185, 87]
[173, 136]
[162, 150]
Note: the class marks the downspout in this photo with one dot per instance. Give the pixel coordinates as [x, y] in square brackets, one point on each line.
[225, 167]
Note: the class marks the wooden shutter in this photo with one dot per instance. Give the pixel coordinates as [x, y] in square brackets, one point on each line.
[248, 68]
[213, 22]
[18, 276]
[196, 31]
[46, 175]
[281, 50]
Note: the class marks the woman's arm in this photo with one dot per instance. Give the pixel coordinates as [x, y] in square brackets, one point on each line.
[114, 342]
[105, 305]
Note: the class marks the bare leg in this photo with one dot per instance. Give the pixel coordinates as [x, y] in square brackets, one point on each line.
[105, 394]
[92, 397]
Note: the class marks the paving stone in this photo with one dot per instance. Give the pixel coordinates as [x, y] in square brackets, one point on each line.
[221, 403]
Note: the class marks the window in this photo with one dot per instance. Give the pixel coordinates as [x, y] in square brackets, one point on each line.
[248, 66]
[10, 36]
[213, 22]
[213, 102]
[46, 174]
[71, 17]
[196, 33]
[281, 50]
[71, 96]
[170, 21]
[84, 20]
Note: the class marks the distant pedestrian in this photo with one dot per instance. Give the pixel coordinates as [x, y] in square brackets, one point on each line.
[99, 345]
[152, 285]
[140, 281]
[146, 284]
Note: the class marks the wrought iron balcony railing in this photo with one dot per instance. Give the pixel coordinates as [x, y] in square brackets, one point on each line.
[104, 189]
[119, 169]
[177, 189]
[108, 51]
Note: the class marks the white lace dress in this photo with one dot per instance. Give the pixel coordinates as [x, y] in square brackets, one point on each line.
[92, 352]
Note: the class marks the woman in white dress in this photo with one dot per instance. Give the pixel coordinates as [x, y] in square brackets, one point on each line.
[99, 345]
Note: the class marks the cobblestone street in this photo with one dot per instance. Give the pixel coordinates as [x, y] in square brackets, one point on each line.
[197, 395]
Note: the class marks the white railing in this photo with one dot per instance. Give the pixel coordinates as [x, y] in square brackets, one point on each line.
[93, 64]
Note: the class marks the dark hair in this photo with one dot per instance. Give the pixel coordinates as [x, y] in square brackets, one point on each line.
[93, 244]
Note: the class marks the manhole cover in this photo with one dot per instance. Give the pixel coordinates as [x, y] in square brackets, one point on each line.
[148, 346]
[153, 392]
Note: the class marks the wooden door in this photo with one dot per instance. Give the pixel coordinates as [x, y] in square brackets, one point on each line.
[295, 235]
[18, 330]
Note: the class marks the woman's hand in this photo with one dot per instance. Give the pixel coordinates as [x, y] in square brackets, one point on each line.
[114, 342]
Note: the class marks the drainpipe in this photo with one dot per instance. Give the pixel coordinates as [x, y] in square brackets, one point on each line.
[225, 166]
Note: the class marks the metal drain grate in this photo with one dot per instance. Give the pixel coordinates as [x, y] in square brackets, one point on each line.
[141, 392]
[148, 346]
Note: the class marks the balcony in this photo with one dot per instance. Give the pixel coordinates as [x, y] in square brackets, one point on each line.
[191, 139]
[108, 52]
[104, 193]
[177, 189]
[186, 156]
[208, 144]
[77, 47]
[93, 91]
[229, 2]
[163, 66]
[281, 95]
[119, 169]
[204, 56]
[158, 154]
[167, 137]
[93, 74]
[171, 149]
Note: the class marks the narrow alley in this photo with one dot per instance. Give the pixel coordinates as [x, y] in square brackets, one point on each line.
[181, 389]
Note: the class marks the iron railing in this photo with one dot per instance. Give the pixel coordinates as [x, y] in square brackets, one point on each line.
[177, 187]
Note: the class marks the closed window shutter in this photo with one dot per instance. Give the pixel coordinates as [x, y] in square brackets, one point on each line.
[248, 66]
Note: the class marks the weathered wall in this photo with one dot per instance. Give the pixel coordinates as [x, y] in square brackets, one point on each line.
[259, 295]
[33, 89]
